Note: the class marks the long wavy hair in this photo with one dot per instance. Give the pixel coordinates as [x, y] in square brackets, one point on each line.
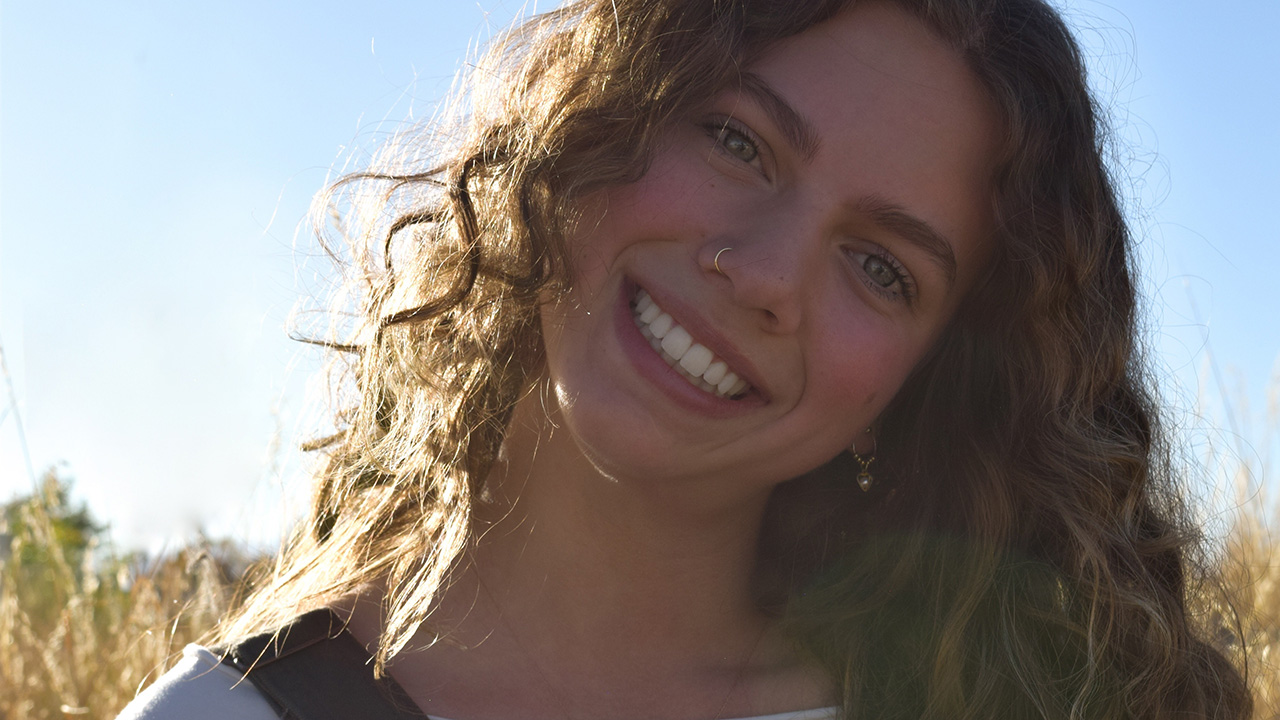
[1026, 552]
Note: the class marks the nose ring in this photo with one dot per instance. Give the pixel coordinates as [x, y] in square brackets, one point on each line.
[716, 261]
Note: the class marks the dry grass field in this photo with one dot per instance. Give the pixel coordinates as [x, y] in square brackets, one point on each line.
[1252, 572]
[83, 627]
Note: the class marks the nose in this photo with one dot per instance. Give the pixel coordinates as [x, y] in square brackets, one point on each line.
[770, 269]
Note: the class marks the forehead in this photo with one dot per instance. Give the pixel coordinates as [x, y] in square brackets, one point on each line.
[898, 115]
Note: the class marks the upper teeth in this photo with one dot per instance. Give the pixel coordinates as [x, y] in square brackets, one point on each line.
[692, 360]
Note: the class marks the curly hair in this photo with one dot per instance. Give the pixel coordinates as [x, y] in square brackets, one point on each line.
[1029, 555]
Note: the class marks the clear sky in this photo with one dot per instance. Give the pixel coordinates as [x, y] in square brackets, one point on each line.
[157, 157]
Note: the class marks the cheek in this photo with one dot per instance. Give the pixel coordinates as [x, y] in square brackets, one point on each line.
[864, 371]
[673, 200]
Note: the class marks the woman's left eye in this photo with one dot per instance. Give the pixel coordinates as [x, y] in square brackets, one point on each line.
[885, 275]
[735, 141]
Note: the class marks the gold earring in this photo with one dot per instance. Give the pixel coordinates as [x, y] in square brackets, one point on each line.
[865, 479]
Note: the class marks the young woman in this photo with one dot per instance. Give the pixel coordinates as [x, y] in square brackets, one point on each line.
[740, 358]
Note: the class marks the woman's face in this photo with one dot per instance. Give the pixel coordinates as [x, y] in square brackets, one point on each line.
[850, 179]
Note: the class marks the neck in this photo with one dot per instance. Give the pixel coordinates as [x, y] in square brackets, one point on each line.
[605, 562]
[589, 595]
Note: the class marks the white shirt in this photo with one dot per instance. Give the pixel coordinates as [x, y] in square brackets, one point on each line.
[201, 688]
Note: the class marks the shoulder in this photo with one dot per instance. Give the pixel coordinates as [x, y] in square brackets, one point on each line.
[200, 688]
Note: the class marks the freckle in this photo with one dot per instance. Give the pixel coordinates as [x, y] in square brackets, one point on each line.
[871, 398]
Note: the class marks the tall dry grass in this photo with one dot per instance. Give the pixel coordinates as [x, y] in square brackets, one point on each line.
[1252, 575]
[1250, 564]
[83, 627]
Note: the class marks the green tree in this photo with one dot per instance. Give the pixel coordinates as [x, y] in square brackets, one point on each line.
[47, 542]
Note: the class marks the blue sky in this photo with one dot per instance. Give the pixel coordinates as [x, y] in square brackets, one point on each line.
[156, 159]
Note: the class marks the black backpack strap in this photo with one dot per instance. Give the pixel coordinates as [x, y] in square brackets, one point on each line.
[313, 669]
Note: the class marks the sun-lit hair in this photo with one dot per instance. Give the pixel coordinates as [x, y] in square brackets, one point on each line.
[1025, 551]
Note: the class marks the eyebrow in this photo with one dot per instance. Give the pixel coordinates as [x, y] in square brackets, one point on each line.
[894, 219]
[795, 128]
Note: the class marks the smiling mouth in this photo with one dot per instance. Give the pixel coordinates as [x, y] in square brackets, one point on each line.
[692, 360]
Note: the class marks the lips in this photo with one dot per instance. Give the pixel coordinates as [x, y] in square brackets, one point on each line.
[691, 359]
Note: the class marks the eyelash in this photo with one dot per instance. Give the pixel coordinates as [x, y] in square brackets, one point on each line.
[901, 277]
